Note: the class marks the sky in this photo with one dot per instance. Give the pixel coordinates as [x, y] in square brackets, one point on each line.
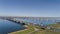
[35, 8]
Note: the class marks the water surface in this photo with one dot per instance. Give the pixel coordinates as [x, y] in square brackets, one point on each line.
[7, 26]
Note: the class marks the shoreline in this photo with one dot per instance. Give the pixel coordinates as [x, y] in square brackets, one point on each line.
[20, 30]
[17, 31]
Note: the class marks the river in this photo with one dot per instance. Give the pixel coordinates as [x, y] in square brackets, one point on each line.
[7, 26]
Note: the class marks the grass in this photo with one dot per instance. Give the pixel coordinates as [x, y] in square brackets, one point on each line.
[40, 31]
[29, 29]
[48, 31]
[55, 25]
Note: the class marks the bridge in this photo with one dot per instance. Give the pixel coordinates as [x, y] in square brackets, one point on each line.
[16, 21]
[38, 19]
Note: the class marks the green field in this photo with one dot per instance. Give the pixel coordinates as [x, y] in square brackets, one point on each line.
[55, 25]
[48, 31]
[31, 28]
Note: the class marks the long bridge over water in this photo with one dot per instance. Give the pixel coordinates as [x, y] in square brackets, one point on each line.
[38, 19]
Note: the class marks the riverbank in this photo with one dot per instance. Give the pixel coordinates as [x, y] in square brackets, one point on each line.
[29, 29]
[34, 29]
[17, 31]
[20, 30]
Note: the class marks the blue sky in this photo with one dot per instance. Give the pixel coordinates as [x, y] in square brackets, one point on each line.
[38, 8]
